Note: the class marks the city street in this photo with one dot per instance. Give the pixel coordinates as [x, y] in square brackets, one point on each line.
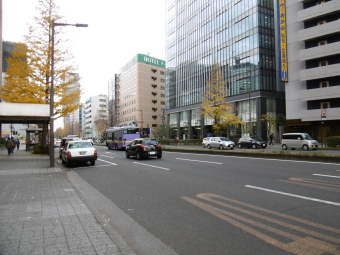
[213, 204]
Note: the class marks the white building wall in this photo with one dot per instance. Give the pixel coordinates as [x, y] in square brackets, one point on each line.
[91, 107]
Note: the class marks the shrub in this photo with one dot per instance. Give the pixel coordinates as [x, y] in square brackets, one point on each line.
[185, 142]
[2, 142]
[333, 141]
[41, 149]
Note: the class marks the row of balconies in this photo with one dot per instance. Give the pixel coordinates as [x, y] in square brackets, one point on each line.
[319, 31]
[315, 115]
[322, 8]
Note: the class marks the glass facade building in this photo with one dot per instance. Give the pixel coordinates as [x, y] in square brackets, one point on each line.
[238, 35]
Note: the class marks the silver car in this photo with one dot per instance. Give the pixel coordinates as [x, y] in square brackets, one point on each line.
[218, 142]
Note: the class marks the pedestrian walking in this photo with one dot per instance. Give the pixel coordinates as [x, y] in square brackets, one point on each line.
[14, 144]
[18, 144]
[9, 145]
[271, 139]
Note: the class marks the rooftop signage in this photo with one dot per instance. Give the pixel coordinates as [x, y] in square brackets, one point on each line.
[144, 59]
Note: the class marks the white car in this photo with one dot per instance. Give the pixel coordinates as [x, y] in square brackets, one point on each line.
[78, 151]
[218, 142]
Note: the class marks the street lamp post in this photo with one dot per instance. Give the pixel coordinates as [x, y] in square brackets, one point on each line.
[52, 89]
[249, 99]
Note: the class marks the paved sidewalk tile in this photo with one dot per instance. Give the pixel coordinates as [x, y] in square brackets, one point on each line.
[40, 213]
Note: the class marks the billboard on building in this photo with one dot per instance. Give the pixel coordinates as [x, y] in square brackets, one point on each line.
[282, 38]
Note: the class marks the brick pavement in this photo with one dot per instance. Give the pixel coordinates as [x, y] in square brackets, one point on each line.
[40, 212]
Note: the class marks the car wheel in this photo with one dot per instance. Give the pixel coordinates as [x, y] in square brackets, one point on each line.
[221, 147]
[239, 146]
[93, 162]
[62, 161]
[232, 148]
[138, 155]
[127, 154]
[208, 146]
[284, 147]
[159, 156]
[60, 156]
[67, 164]
[254, 146]
[203, 145]
[305, 147]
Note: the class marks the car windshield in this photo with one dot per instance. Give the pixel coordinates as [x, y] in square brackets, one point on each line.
[224, 139]
[150, 142]
[307, 137]
[80, 145]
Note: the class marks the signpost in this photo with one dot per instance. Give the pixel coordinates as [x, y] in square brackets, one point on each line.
[323, 114]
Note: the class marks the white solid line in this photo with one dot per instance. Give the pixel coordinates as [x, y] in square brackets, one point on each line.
[209, 162]
[293, 195]
[108, 162]
[332, 176]
[151, 166]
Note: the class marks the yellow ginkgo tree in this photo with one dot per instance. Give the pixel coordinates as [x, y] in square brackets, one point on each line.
[28, 77]
[214, 105]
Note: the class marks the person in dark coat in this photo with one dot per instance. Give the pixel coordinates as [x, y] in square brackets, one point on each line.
[14, 144]
[9, 145]
[271, 139]
[18, 144]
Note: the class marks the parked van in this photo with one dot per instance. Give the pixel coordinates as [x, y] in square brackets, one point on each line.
[298, 141]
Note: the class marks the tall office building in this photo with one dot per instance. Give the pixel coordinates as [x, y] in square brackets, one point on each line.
[238, 35]
[141, 92]
[312, 90]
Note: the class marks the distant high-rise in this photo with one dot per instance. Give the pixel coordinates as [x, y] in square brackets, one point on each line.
[142, 92]
[240, 37]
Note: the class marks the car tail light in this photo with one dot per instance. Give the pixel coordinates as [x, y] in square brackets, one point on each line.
[95, 152]
[69, 154]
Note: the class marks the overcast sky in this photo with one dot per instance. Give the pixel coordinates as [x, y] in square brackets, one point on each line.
[118, 30]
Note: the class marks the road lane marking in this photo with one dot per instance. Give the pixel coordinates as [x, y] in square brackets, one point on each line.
[209, 162]
[151, 166]
[107, 162]
[106, 156]
[314, 242]
[294, 195]
[332, 176]
[237, 157]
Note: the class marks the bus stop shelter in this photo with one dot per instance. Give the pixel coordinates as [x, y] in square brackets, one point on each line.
[25, 114]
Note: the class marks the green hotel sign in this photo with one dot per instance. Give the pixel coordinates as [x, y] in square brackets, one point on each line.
[144, 59]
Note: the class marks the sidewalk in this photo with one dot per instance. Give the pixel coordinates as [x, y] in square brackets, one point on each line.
[40, 212]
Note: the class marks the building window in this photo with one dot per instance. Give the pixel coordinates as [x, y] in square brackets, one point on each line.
[154, 78]
[161, 72]
[325, 105]
[323, 63]
[154, 70]
[162, 88]
[162, 95]
[324, 84]
[162, 80]
[162, 103]
[154, 85]
[322, 42]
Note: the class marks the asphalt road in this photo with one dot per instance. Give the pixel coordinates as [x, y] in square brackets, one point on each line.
[212, 204]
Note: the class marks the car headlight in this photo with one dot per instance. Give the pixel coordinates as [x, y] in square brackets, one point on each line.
[258, 142]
